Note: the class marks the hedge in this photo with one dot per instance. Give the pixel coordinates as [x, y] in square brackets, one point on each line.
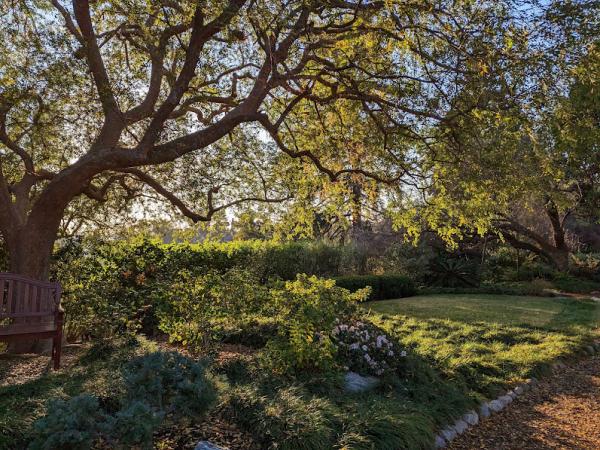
[383, 286]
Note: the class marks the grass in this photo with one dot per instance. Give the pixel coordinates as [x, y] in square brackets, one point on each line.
[563, 314]
[463, 348]
[486, 342]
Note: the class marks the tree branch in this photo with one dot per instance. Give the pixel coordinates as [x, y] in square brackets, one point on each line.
[200, 35]
[181, 206]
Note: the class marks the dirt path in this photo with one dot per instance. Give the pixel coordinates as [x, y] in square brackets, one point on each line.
[563, 412]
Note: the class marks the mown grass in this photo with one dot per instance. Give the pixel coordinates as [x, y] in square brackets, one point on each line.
[487, 342]
[463, 348]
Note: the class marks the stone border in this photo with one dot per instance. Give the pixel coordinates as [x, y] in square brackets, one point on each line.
[486, 409]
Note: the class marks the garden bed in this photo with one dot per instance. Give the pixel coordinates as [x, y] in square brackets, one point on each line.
[462, 349]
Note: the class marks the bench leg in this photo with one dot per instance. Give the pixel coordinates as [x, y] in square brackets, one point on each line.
[56, 350]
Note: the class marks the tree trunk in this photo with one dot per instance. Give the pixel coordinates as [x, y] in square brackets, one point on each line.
[29, 255]
[559, 259]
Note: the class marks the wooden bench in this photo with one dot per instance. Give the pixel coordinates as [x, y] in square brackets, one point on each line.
[30, 309]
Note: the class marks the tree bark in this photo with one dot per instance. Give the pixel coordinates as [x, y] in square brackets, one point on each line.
[29, 254]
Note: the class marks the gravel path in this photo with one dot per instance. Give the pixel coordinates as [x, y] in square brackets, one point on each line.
[563, 412]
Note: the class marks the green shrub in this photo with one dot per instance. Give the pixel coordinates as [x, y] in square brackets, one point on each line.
[111, 288]
[307, 310]
[383, 287]
[69, 424]
[255, 332]
[133, 425]
[586, 265]
[169, 382]
[201, 309]
[453, 272]
[568, 283]
[157, 385]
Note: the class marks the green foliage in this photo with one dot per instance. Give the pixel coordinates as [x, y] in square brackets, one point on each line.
[307, 310]
[170, 383]
[289, 419]
[71, 424]
[156, 385]
[255, 332]
[198, 310]
[453, 272]
[124, 286]
[586, 265]
[568, 283]
[382, 286]
[134, 425]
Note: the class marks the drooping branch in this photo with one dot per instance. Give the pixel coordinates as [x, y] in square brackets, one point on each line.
[333, 175]
[212, 209]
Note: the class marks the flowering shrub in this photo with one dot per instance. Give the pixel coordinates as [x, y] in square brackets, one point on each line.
[366, 349]
[306, 310]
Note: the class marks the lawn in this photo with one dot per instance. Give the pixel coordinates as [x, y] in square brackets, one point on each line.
[540, 312]
[486, 342]
[462, 349]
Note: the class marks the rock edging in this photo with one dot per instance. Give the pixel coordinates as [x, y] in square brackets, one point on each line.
[486, 409]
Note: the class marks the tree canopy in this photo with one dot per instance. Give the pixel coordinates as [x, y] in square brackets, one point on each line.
[211, 104]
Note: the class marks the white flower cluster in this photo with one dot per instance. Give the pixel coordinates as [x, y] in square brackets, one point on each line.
[365, 348]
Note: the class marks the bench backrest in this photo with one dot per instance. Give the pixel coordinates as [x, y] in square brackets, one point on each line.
[23, 297]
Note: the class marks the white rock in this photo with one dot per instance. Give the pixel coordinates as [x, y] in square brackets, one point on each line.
[506, 399]
[519, 390]
[461, 426]
[484, 410]
[357, 383]
[532, 382]
[512, 394]
[440, 442]
[205, 445]
[496, 405]
[448, 433]
[471, 418]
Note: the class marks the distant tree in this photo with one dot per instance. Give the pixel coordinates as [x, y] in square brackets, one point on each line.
[521, 174]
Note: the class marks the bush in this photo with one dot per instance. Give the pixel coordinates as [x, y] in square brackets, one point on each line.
[201, 309]
[157, 385]
[111, 288]
[586, 265]
[168, 382]
[383, 287]
[307, 310]
[365, 349]
[71, 424]
[536, 288]
[453, 272]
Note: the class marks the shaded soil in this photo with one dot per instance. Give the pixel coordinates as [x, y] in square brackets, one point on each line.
[20, 369]
[562, 412]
